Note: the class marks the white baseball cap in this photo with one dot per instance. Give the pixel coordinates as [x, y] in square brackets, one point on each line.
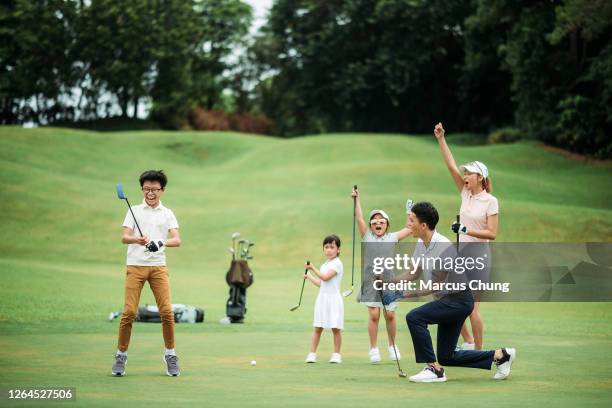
[475, 167]
[381, 212]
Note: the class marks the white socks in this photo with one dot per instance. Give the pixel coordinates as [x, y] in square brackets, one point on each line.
[170, 352]
[121, 353]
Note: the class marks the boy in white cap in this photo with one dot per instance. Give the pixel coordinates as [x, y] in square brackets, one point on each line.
[378, 232]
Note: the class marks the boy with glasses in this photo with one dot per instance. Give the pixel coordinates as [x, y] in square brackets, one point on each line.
[146, 261]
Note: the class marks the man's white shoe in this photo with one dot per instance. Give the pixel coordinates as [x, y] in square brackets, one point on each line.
[374, 355]
[428, 375]
[468, 346]
[335, 358]
[311, 358]
[503, 369]
[392, 354]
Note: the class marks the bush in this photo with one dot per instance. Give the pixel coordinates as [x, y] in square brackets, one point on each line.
[202, 119]
[504, 135]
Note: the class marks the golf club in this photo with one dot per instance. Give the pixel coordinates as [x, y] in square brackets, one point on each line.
[457, 235]
[301, 291]
[122, 196]
[348, 292]
[400, 372]
[235, 236]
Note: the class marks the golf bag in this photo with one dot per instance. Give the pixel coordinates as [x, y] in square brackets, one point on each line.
[182, 314]
[239, 278]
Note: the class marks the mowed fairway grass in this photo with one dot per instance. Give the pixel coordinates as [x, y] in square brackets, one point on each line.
[62, 268]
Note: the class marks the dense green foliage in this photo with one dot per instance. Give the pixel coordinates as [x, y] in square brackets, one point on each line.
[402, 65]
[64, 60]
[544, 67]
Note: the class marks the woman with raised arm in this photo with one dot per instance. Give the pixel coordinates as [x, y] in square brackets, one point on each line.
[478, 219]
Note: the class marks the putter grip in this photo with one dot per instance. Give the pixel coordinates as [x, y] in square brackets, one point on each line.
[355, 187]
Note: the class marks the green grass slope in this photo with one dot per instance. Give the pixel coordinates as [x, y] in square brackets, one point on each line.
[62, 266]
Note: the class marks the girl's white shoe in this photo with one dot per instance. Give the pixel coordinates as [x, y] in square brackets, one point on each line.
[392, 354]
[311, 358]
[335, 358]
[374, 355]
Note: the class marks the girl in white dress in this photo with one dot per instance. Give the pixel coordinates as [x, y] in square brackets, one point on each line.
[329, 307]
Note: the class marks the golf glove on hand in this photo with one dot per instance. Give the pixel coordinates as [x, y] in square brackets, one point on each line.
[409, 204]
[156, 245]
[391, 296]
[459, 228]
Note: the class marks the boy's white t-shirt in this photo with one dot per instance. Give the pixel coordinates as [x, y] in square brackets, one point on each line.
[154, 223]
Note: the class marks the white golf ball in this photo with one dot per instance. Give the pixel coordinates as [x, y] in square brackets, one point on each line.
[253, 362]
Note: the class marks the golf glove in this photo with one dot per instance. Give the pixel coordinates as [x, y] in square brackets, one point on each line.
[409, 204]
[389, 297]
[156, 245]
[459, 228]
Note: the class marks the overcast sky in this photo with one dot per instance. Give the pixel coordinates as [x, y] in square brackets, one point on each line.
[260, 11]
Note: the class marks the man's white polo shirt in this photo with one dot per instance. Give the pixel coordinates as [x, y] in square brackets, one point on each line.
[438, 244]
[154, 223]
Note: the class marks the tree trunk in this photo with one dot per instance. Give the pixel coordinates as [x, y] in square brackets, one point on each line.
[135, 113]
[124, 104]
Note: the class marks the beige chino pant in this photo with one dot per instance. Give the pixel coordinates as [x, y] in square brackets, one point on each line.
[158, 279]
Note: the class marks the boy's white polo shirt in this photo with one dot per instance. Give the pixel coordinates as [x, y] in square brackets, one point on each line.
[154, 223]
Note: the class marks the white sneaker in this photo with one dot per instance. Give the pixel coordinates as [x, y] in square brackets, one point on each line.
[392, 354]
[335, 358]
[468, 346]
[311, 358]
[503, 369]
[428, 375]
[374, 355]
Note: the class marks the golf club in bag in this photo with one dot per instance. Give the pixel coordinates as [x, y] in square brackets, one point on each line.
[239, 277]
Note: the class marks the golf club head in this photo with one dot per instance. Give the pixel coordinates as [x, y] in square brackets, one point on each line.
[230, 250]
[120, 193]
[294, 308]
[235, 235]
[409, 204]
[347, 293]
[402, 374]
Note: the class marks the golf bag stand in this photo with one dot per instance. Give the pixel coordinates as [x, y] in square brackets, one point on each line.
[239, 278]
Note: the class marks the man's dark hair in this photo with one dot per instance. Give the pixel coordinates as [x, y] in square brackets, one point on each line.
[154, 175]
[427, 213]
[332, 238]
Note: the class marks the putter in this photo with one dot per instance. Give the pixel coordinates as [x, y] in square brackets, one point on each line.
[400, 372]
[301, 291]
[349, 292]
[122, 196]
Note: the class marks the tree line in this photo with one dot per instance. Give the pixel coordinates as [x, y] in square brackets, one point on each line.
[542, 69]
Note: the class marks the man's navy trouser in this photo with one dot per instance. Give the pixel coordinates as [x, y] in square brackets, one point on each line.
[448, 313]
